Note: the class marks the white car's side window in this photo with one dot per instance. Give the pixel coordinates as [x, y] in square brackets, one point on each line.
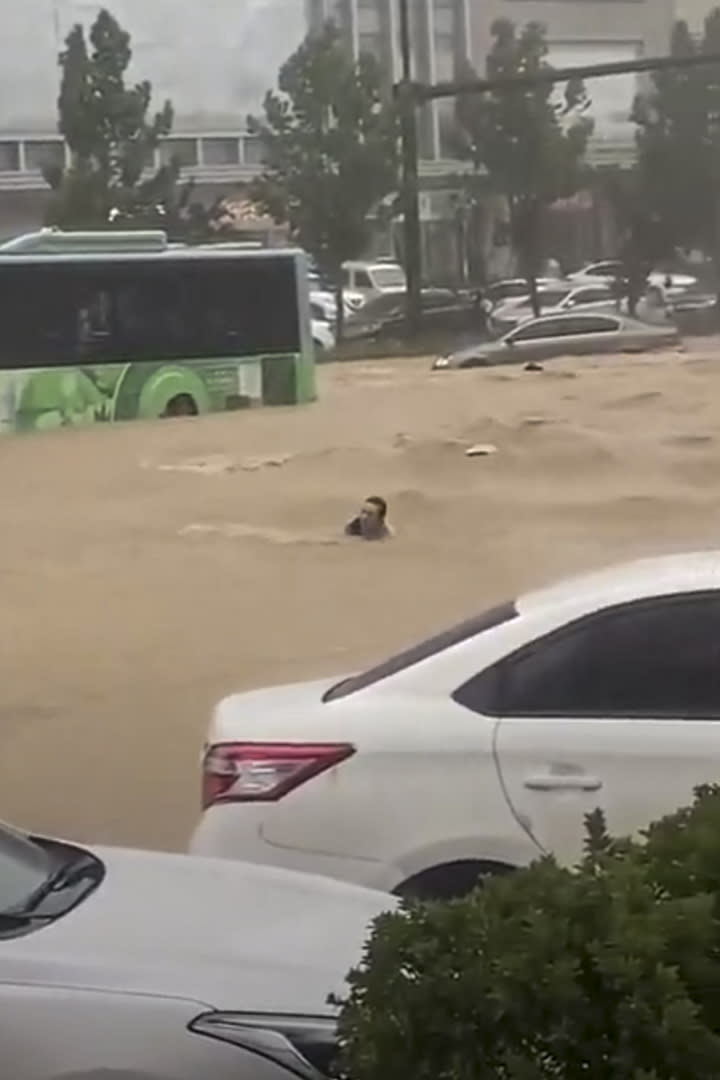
[650, 659]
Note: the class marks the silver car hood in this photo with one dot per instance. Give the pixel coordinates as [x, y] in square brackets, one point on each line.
[227, 935]
[482, 348]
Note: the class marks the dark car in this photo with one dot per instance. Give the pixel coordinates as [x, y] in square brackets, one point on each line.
[442, 311]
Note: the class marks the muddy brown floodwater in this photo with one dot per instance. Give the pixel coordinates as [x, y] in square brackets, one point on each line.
[147, 569]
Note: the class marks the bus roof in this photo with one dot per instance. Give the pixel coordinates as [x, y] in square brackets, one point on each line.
[49, 244]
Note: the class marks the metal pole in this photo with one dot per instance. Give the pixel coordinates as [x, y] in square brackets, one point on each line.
[423, 93]
[410, 179]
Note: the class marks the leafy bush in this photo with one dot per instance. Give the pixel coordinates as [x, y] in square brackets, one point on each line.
[609, 971]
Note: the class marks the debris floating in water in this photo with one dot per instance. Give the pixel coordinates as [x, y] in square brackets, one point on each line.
[481, 450]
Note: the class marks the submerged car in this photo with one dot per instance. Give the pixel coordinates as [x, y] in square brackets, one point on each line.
[144, 965]
[576, 334]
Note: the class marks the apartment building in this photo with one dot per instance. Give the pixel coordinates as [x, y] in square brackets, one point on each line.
[579, 32]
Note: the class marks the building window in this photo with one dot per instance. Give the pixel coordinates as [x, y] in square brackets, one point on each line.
[447, 36]
[369, 34]
[252, 150]
[450, 48]
[221, 151]
[9, 156]
[183, 152]
[42, 153]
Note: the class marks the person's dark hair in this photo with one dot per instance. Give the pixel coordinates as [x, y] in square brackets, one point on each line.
[377, 500]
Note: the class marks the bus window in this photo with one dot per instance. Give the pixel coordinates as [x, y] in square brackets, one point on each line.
[60, 313]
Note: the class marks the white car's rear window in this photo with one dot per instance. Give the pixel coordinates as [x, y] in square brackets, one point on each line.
[463, 631]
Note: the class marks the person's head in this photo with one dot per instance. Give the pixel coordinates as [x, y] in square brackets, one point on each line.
[373, 514]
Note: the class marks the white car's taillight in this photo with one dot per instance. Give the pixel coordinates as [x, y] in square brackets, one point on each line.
[264, 772]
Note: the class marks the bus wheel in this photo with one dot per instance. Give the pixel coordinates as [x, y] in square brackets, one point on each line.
[181, 405]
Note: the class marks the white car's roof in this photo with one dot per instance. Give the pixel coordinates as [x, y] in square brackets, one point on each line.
[658, 576]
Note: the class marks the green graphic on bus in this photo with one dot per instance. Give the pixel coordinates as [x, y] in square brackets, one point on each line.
[64, 397]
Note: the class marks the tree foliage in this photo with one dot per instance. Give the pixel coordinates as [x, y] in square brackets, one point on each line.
[610, 971]
[329, 141]
[112, 139]
[530, 146]
[678, 139]
[645, 237]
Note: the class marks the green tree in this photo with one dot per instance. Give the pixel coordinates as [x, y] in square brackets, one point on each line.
[112, 140]
[329, 140]
[646, 237]
[608, 971]
[530, 146]
[678, 141]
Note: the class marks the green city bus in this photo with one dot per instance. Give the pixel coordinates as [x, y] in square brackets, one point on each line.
[126, 325]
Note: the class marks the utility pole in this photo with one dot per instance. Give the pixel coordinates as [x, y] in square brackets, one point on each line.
[411, 95]
[406, 98]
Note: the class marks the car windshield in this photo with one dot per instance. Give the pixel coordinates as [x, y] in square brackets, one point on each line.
[463, 631]
[23, 867]
[603, 269]
[550, 297]
[388, 277]
[506, 290]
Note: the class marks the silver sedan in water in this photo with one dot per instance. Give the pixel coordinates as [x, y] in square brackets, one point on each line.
[573, 334]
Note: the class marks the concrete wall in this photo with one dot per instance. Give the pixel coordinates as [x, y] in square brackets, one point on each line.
[213, 60]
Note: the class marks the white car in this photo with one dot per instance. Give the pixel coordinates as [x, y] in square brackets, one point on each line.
[554, 299]
[476, 750]
[323, 335]
[609, 269]
[373, 278]
[323, 305]
[144, 966]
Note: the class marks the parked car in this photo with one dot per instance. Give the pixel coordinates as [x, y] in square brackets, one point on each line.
[568, 334]
[497, 292]
[323, 335]
[324, 306]
[373, 278]
[485, 745]
[562, 296]
[442, 311]
[142, 965]
[613, 268]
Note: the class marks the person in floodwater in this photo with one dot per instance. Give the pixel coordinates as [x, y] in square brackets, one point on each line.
[371, 523]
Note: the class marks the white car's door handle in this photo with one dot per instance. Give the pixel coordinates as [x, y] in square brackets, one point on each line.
[553, 782]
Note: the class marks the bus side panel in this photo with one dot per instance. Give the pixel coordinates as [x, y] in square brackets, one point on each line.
[305, 377]
[305, 380]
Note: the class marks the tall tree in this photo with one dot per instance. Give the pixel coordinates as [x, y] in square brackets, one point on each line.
[678, 140]
[645, 235]
[110, 135]
[530, 145]
[329, 140]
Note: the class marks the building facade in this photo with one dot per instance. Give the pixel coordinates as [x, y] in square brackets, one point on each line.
[215, 62]
[694, 12]
[448, 32]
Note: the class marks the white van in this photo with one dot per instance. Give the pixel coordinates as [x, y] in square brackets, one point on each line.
[373, 278]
